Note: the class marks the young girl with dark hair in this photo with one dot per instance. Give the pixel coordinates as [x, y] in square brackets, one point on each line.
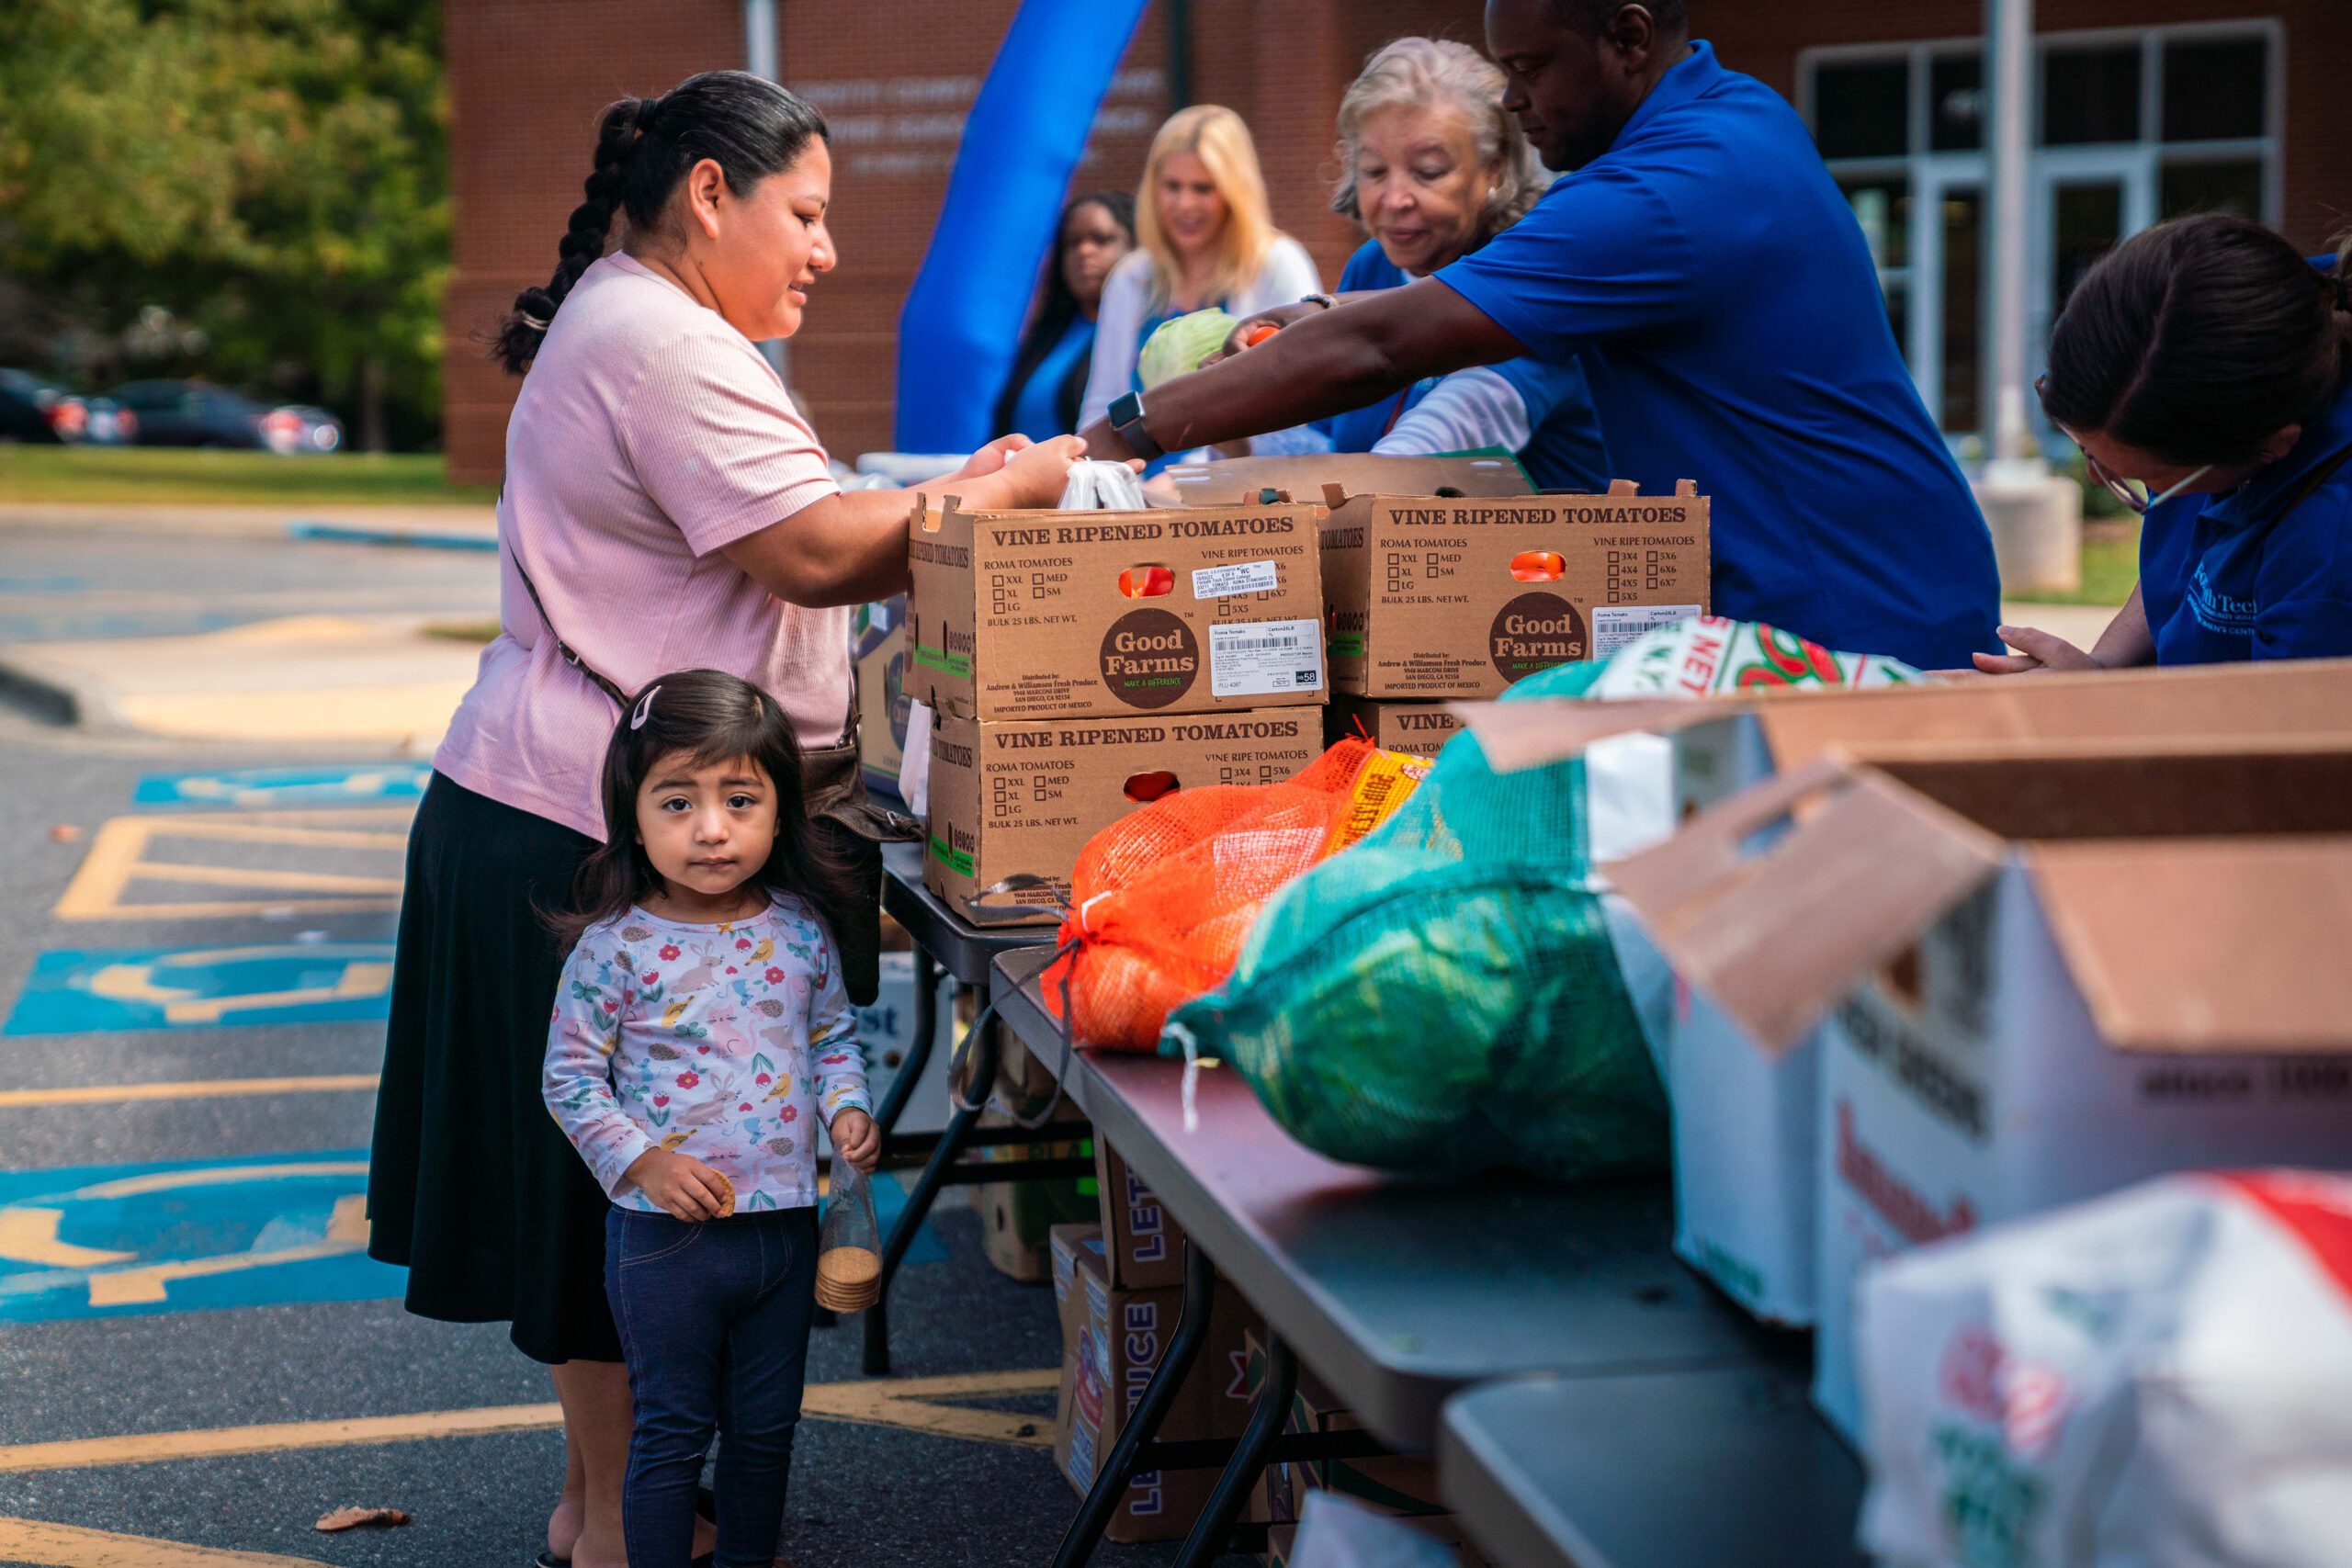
[700, 1033]
[2204, 367]
[665, 506]
[1041, 396]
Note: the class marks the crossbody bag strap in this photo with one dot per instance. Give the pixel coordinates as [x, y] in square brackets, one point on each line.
[570, 656]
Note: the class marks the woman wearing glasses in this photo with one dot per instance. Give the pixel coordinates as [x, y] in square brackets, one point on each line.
[2205, 369]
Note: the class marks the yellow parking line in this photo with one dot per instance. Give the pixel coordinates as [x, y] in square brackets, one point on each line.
[202, 1088]
[911, 1404]
[69, 1546]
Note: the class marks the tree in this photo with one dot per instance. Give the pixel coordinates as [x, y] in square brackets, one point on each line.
[274, 171]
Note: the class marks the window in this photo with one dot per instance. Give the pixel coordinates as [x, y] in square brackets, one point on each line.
[2131, 127]
[2090, 94]
[1863, 111]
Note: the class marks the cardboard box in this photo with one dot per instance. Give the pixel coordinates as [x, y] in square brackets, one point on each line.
[1017, 1218]
[1433, 598]
[1146, 1246]
[1026, 797]
[1420, 729]
[2099, 962]
[879, 659]
[1116, 615]
[1745, 1118]
[1063, 1244]
[1234, 482]
[1120, 1336]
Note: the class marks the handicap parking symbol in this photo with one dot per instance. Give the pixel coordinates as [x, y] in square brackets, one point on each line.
[263, 787]
[102, 1241]
[76, 992]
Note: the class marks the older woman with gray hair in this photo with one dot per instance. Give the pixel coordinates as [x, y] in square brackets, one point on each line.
[1432, 167]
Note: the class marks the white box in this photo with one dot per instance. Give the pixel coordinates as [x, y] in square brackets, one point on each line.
[2054, 969]
[1745, 1118]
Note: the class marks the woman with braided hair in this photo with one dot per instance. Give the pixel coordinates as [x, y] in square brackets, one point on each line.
[665, 508]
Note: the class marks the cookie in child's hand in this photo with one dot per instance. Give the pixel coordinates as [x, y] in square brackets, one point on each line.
[727, 1201]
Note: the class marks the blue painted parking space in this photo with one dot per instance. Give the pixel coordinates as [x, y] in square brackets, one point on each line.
[191, 1236]
[261, 788]
[73, 992]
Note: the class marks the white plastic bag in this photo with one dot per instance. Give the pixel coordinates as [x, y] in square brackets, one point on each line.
[1336, 1533]
[2160, 1378]
[1097, 486]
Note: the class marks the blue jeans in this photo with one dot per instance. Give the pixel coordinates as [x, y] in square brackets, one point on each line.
[714, 1322]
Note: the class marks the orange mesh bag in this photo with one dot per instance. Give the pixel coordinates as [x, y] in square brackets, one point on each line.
[1161, 900]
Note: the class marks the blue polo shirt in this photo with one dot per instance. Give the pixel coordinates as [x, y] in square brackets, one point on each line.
[1564, 449]
[1713, 279]
[2243, 575]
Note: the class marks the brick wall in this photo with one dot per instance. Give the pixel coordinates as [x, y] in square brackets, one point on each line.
[527, 78]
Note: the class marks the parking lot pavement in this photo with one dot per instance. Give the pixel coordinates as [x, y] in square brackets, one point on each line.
[200, 1361]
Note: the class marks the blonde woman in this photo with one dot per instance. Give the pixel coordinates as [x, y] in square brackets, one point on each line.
[1203, 237]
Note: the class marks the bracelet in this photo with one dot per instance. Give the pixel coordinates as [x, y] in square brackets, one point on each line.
[1320, 298]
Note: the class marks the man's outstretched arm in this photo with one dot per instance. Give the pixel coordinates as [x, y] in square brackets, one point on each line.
[1325, 363]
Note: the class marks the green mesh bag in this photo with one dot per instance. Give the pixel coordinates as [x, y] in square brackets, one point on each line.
[1444, 996]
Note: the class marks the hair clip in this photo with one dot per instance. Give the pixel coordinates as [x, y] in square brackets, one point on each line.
[532, 321]
[644, 709]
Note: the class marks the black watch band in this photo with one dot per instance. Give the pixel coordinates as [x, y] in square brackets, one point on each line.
[1127, 417]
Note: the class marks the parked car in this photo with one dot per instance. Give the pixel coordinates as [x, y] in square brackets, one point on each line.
[196, 414]
[34, 410]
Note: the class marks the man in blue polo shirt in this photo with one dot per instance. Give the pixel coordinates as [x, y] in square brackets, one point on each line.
[1700, 261]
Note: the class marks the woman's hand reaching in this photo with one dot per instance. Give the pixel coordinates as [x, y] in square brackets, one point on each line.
[992, 457]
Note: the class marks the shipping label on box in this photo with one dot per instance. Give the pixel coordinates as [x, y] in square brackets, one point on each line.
[1104, 614]
[1026, 797]
[1417, 730]
[1433, 598]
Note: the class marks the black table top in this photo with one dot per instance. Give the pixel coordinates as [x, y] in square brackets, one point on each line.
[1724, 1466]
[1399, 1292]
[956, 945]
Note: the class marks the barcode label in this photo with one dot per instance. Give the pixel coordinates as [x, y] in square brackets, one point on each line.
[1265, 658]
[1222, 582]
[1616, 626]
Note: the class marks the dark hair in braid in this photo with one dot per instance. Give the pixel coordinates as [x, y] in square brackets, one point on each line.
[748, 125]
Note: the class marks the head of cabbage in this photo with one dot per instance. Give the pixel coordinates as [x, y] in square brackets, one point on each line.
[1178, 346]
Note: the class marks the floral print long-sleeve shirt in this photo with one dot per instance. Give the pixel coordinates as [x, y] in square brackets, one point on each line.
[721, 1041]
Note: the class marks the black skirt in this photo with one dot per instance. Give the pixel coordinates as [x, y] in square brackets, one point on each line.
[471, 1183]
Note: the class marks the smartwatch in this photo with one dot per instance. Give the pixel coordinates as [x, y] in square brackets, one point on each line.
[1127, 417]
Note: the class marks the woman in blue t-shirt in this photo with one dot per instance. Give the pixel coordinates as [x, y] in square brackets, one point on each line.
[1432, 166]
[2205, 368]
[1041, 396]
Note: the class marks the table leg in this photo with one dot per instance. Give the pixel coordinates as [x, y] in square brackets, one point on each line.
[1267, 1418]
[918, 1206]
[1143, 1421]
[918, 1056]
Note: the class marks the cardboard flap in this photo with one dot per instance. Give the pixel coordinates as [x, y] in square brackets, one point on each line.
[1238, 480]
[1777, 930]
[1535, 730]
[2212, 944]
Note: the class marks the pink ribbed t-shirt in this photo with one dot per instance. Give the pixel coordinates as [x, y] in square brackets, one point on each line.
[649, 435]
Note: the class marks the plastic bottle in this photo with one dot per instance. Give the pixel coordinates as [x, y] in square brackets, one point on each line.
[848, 1243]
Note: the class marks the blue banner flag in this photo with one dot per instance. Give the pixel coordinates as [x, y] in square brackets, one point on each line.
[1021, 141]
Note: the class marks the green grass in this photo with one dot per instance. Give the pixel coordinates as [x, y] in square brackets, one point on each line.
[2110, 566]
[184, 477]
